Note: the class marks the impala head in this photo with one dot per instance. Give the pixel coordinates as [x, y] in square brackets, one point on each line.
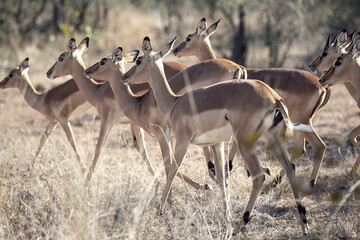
[331, 51]
[140, 73]
[16, 75]
[341, 70]
[64, 64]
[195, 41]
[104, 69]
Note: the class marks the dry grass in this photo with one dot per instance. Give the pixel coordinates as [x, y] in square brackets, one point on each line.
[50, 201]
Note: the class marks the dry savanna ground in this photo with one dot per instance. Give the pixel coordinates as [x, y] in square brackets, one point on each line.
[50, 202]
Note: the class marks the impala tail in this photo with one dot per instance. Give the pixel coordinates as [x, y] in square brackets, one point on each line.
[293, 126]
[240, 73]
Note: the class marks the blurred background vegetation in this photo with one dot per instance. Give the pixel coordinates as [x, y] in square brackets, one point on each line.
[255, 33]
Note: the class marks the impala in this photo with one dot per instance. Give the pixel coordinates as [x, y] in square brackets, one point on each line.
[330, 52]
[300, 90]
[56, 105]
[346, 68]
[245, 109]
[142, 110]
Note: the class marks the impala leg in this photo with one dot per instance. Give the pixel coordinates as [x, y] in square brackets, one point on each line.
[139, 143]
[167, 150]
[181, 147]
[105, 128]
[65, 124]
[50, 128]
[297, 151]
[280, 154]
[352, 138]
[233, 151]
[319, 148]
[209, 162]
[282, 132]
[220, 174]
[353, 170]
[258, 177]
[232, 154]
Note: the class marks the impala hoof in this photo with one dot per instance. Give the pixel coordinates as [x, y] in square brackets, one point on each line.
[312, 183]
[266, 189]
[345, 186]
[207, 187]
[240, 227]
[160, 212]
[306, 230]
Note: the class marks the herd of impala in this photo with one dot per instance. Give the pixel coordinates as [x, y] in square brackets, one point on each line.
[207, 104]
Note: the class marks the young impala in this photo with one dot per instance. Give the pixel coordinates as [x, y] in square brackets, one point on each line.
[300, 90]
[245, 109]
[56, 105]
[346, 68]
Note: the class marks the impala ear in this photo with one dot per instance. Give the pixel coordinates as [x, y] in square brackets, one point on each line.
[341, 39]
[350, 37]
[146, 46]
[211, 29]
[71, 47]
[356, 37]
[166, 50]
[131, 56]
[355, 48]
[333, 39]
[24, 64]
[117, 55]
[201, 27]
[327, 44]
[83, 46]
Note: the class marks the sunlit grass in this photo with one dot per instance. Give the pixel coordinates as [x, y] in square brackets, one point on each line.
[50, 201]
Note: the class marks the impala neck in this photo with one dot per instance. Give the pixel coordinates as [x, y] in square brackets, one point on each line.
[351, 89]
[164, 96]
[205, 52]
[128, 104]
[355, 81]
[87, 87]
[31, 96]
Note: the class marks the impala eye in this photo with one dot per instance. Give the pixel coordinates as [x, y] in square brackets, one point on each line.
[61, 59]
[337, 63]
[324, 54]
[188, 39]
[11, 75]
[138, 62]
[102, 62]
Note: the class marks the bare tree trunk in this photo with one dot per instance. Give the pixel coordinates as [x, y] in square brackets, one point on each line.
[81, 19]
[173, 14]
[240, 44]
[272, 41]
[55, 18]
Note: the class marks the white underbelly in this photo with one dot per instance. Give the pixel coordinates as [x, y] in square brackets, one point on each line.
[211, 137]
[124, 120]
